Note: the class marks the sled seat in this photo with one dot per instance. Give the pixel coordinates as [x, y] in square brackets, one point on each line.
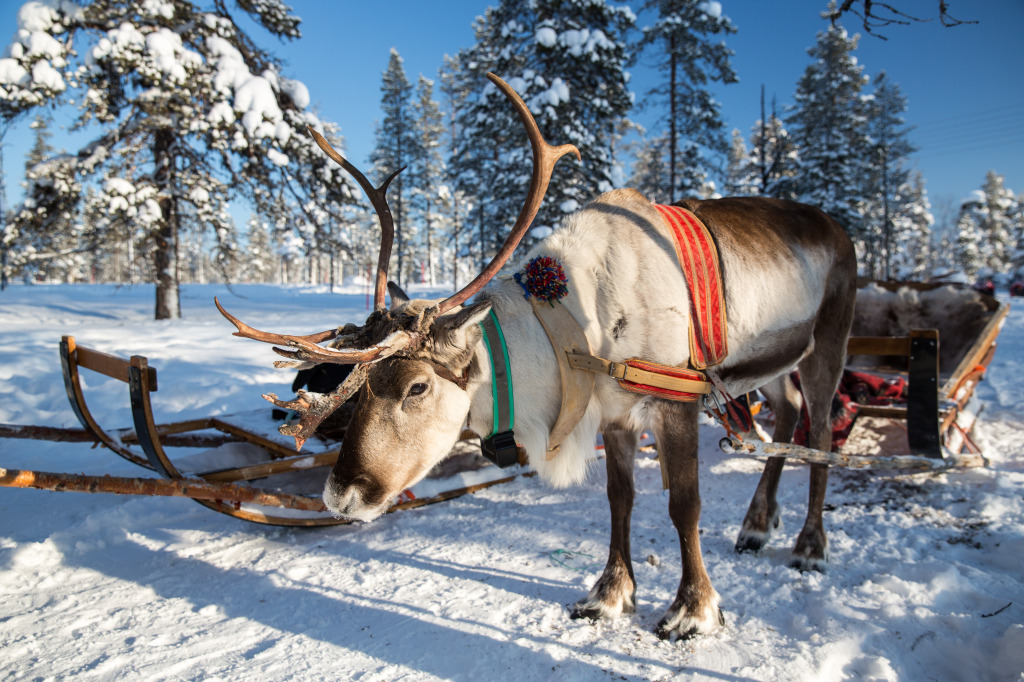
[256, 428]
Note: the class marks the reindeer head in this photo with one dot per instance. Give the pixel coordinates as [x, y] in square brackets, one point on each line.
[412, 360]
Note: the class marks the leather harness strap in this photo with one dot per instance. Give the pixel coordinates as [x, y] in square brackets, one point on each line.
[568, 340]
[633, 372]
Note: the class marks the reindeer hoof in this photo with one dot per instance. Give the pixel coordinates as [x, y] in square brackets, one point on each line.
[752, 540]
[596, 609]
[689, 617]
[582, 609]
[808, 563]
[665, 628]
[810, 552]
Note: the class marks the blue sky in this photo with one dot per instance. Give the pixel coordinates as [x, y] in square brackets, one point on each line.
[964, 85]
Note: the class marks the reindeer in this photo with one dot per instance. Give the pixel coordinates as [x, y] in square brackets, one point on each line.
[422, 371]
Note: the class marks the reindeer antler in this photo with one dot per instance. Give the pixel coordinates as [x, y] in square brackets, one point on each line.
[544, 158]
[378, 197]
[315, 407]
[305, 346]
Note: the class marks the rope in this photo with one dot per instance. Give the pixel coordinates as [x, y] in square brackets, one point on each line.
[570, 557]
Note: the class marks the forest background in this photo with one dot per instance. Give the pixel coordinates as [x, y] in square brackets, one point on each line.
[153, 141]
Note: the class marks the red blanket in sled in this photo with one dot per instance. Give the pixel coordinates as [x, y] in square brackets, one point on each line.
[855, 389]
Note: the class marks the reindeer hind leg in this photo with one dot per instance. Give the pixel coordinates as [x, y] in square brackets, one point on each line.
[763, 513]
[819, 377]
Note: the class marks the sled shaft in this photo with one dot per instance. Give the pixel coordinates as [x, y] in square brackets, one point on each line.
[160, 487]
[812, 456]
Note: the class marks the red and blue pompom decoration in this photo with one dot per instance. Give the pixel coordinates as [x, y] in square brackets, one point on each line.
[543, 278]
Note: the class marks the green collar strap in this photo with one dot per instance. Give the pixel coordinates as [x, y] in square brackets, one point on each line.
[500, 446]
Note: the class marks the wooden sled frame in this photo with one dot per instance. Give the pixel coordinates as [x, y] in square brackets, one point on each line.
[934, 409]
[220, 489]
[142, 381]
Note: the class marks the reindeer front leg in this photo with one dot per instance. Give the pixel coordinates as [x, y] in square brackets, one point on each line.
[695, 609]
[615, 591]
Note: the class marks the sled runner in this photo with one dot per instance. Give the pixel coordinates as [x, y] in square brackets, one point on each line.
[232, 452]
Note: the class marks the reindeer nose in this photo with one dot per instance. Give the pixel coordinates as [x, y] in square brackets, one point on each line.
[340, 499]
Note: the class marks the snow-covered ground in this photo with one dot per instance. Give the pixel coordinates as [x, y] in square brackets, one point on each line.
[926, 581]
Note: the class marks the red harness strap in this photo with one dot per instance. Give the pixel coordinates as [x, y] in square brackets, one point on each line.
[698, 259]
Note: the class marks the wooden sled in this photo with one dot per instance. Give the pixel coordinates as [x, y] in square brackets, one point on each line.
[932, 431]
[289, 487]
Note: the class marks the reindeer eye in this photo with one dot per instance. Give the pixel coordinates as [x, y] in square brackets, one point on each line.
[417, 389]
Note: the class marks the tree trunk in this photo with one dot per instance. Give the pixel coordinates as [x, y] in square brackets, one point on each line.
[673, 133]
[165, 255]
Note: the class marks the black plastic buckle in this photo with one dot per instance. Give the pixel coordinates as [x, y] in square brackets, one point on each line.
[501, 449]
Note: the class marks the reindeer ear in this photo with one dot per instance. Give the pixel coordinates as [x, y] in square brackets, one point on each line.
[397, 295]
[469, 316]
[459, 328]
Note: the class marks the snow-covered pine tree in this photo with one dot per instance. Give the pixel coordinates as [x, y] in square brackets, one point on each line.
[828, 126]
[911, 256]
[185, 101]
[396, 137]
[687, 45]
[740, 174]
[997, 224]
[483, 127]
[971, 251]
[455, 204]
[772, 155]
[650, 174]
[1017, 217]
[261, 264]
[45, 233]
[426, 169]
[891, 198]
[567, 60]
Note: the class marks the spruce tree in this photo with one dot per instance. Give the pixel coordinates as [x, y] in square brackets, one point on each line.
[45, 231]
[740, 174]
[687, 46]
[890, 196]
[772, 155]
[970, 245]
[261, 263]
[454, 97]
[567, 61]
[425, 173]
[911, 255]
[828, 127]
[396, 138]
[997, 224]
[185, 101]
[650, 174]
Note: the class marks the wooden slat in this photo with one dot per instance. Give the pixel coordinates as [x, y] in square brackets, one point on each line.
[884, 411]
[878, 345]
[978, 351]
[184, 427]
[277, 449]
[279, 466]
[108, 365]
